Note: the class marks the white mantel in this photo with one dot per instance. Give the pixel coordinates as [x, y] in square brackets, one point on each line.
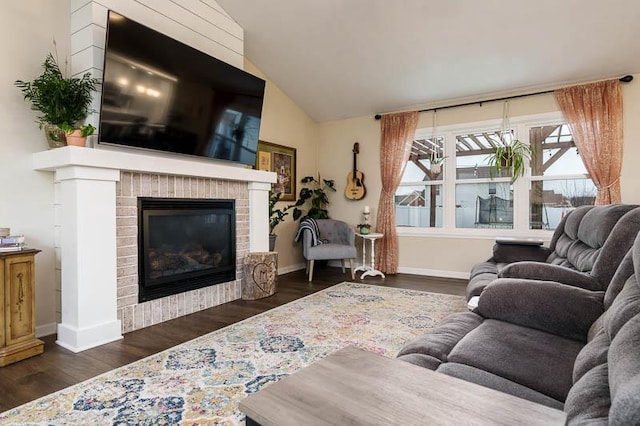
[87, 198]
[54, 159]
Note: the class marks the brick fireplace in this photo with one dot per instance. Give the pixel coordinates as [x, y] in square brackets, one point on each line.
[131, 187]
[97, 193]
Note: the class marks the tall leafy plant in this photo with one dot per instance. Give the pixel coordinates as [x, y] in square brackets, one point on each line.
[276, 216]
[312, 199]
[62, 101]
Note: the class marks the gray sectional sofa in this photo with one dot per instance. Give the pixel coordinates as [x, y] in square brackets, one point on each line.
[585, 250]
[570, 347]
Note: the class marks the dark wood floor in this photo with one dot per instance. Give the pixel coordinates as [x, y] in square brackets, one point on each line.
[59, 368]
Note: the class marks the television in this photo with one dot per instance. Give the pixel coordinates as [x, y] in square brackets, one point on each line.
[160, 94]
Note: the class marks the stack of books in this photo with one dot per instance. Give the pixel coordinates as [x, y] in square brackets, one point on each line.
[12, 243]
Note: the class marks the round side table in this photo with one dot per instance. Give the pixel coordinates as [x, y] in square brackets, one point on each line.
[369, 270]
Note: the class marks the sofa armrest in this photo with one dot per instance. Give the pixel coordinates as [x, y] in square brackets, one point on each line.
[508, 253]
[548, 272]
[544, 305]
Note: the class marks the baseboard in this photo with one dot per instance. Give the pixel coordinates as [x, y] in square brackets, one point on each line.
[291, 268]
[434, 273]
[46, 329]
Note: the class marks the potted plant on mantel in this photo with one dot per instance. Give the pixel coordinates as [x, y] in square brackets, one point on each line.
[64, 102]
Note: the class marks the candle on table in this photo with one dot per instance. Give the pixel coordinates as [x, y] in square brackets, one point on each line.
[366, 209]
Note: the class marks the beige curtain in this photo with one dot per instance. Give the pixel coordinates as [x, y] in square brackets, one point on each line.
[594, 114]
[398, 131]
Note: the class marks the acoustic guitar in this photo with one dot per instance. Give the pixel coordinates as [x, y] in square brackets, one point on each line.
[355, 186]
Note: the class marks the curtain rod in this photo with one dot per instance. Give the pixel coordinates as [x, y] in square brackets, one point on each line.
[625, 79]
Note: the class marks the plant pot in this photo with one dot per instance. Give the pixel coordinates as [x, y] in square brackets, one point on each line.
[364, 230]
[55, 136]
[436, 169]
[272, 242]
[75, 138]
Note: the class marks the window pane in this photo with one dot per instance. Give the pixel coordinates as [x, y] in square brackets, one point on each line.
[419, 206]
[554, 152]
[473, 151]
[426, 161]
[552, 199]
[484, 205]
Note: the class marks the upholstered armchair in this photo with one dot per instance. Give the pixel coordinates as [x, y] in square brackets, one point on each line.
[337, 242]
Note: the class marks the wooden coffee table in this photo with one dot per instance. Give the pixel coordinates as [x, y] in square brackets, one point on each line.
[355, 387]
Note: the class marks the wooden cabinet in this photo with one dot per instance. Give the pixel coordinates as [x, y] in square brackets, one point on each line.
[17, 307]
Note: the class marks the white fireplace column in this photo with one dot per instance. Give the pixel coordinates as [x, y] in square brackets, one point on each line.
[259, 216]
[88, 257]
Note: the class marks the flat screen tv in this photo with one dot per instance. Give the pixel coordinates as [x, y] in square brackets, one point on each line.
[160, 94]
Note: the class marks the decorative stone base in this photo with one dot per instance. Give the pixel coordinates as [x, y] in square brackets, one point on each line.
[260, 275]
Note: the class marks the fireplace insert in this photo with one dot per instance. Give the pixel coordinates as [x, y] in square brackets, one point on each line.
[184, 244]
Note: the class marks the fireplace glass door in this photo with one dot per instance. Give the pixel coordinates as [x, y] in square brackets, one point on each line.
[184, 244]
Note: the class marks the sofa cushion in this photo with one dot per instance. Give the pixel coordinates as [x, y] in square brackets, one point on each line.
[544, 305]
[619, 241]
[597, 224]
[484, 378]
[421, 360]
[624, 374]
[488, 267]
[592, 355]
[573, 221]
[588, 400]
[623, 308]
[441, 340]
[624, 271]
[332, 251]
[506, 350]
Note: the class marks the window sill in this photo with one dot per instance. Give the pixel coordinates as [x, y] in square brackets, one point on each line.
[472, 234]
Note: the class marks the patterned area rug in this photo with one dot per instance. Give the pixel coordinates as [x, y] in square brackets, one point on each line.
[201, 381]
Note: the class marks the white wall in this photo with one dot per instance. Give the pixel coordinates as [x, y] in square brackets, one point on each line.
[285, 123]
[27, 29]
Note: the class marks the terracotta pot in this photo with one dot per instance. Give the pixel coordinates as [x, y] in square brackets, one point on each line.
[75, 138]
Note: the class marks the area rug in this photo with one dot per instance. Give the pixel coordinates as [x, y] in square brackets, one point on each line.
[201, 381]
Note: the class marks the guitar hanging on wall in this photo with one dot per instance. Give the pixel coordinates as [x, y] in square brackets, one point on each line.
[355, 189]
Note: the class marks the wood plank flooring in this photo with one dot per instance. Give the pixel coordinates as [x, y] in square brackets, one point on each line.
[59, 368]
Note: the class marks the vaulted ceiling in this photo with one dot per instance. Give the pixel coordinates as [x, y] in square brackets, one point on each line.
[346, 58]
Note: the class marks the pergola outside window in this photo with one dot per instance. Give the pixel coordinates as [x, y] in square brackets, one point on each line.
[459, 192]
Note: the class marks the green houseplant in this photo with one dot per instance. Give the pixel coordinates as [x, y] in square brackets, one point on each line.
[511, 157]
[315, 194]
[276, 216]
[62, 101]
[435, 164]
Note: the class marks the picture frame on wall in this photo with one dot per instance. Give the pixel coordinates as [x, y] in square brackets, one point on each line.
[282, 161]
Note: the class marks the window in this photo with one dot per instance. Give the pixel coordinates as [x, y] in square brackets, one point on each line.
[459, 195]
[419, 196]
[559, 180]
[482, 200]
